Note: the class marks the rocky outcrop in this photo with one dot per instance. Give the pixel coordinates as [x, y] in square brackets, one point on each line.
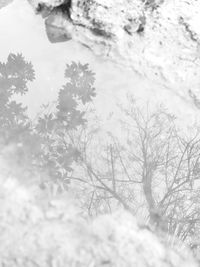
[157, 39]
[36, 230]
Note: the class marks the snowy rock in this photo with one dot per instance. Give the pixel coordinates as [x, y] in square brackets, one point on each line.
[157, 39]
[38, 4]
[58, 27]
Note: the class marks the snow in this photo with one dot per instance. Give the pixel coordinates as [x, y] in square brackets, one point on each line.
[24, 32]
[36, 230]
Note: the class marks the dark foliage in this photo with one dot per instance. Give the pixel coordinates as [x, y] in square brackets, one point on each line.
[46, 146]
[14, 76]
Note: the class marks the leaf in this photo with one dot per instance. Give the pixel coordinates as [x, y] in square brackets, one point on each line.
[66, 102]
[81, 81]
[76, 119]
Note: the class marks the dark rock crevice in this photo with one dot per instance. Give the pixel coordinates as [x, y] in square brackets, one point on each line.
[193, 36]
[65, 8]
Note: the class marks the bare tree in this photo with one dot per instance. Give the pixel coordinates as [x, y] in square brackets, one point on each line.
[153, 171]
[166, 162]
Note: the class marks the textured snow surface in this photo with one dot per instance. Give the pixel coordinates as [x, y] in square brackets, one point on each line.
[161, 44]
[36, 230]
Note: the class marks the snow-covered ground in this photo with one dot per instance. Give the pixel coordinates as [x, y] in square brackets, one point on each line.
[23, 32]
[38, 231]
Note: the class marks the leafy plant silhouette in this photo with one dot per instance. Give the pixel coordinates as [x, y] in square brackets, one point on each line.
[56, 128]
[14, 76]
[45, 146]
